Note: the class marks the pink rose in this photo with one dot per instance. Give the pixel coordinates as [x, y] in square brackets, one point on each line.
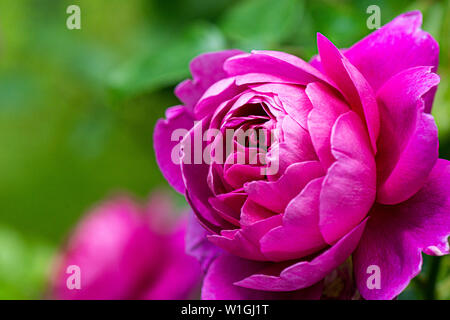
[356, 156]
[122, 251]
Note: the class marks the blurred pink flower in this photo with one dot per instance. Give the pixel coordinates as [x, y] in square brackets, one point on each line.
[124, 251]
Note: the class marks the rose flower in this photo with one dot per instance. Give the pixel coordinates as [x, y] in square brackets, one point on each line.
[348, 165]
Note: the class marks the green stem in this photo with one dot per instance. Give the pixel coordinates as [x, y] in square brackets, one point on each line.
[430, 291]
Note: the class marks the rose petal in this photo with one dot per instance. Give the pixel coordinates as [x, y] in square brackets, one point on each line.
[349, 188]
[276, 195]
[409, 138]
[327, 107]
[238, 174]
[229, 205]
[227, 269]
[195, 174]
[179, 274]
[305, 273]
[206, 69]
[293, 98]
[296, 146]
[245, 242]
[113, 234]
[299, 235]
[221, 91]
[179, 119]
[352, 84]
[276, 64]
[396, 235]
[397, 46]
[197, 244]
[252, 213]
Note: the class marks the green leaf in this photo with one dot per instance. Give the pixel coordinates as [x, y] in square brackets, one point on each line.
[262, 24]
[167, 64]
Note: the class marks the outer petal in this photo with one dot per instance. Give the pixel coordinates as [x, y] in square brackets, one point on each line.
[226, 270]
[352, 84]
[198, 246]
[396, 235]
[206, 69]
[349, 188]
[305, 273]
[178, 118]
[397, 46]
[408, 144]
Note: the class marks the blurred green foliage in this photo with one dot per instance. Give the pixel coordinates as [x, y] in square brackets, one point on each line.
[77, 107]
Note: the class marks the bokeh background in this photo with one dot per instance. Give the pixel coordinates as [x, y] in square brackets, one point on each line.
[77, 107]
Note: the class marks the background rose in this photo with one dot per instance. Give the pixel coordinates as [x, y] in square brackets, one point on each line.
[127, 252]
[358, 164]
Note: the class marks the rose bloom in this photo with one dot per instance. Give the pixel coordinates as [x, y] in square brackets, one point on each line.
[123, 251]
[358, 170]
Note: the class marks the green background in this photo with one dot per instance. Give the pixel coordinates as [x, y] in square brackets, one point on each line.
[77, 107]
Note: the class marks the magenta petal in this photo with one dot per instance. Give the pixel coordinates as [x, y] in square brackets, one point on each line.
[245, 242]
[229, 205]
[179, 275]
[293, 98]
[396, 235]
[221, 91]
[276, 65]
[349, 188]
[295, 147]
[299, 235]
[305, 273]
[327, 107]
[252, 213]
[238, 174]
[226, 270]
[195, 175]
[397, 46]
[352, 84]
[315, 62]
[276, 195]
[408, 144]
[215, 179]
[206, 69]
[198, 246]
[178, 118]
[412, 168]
[114, 247]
